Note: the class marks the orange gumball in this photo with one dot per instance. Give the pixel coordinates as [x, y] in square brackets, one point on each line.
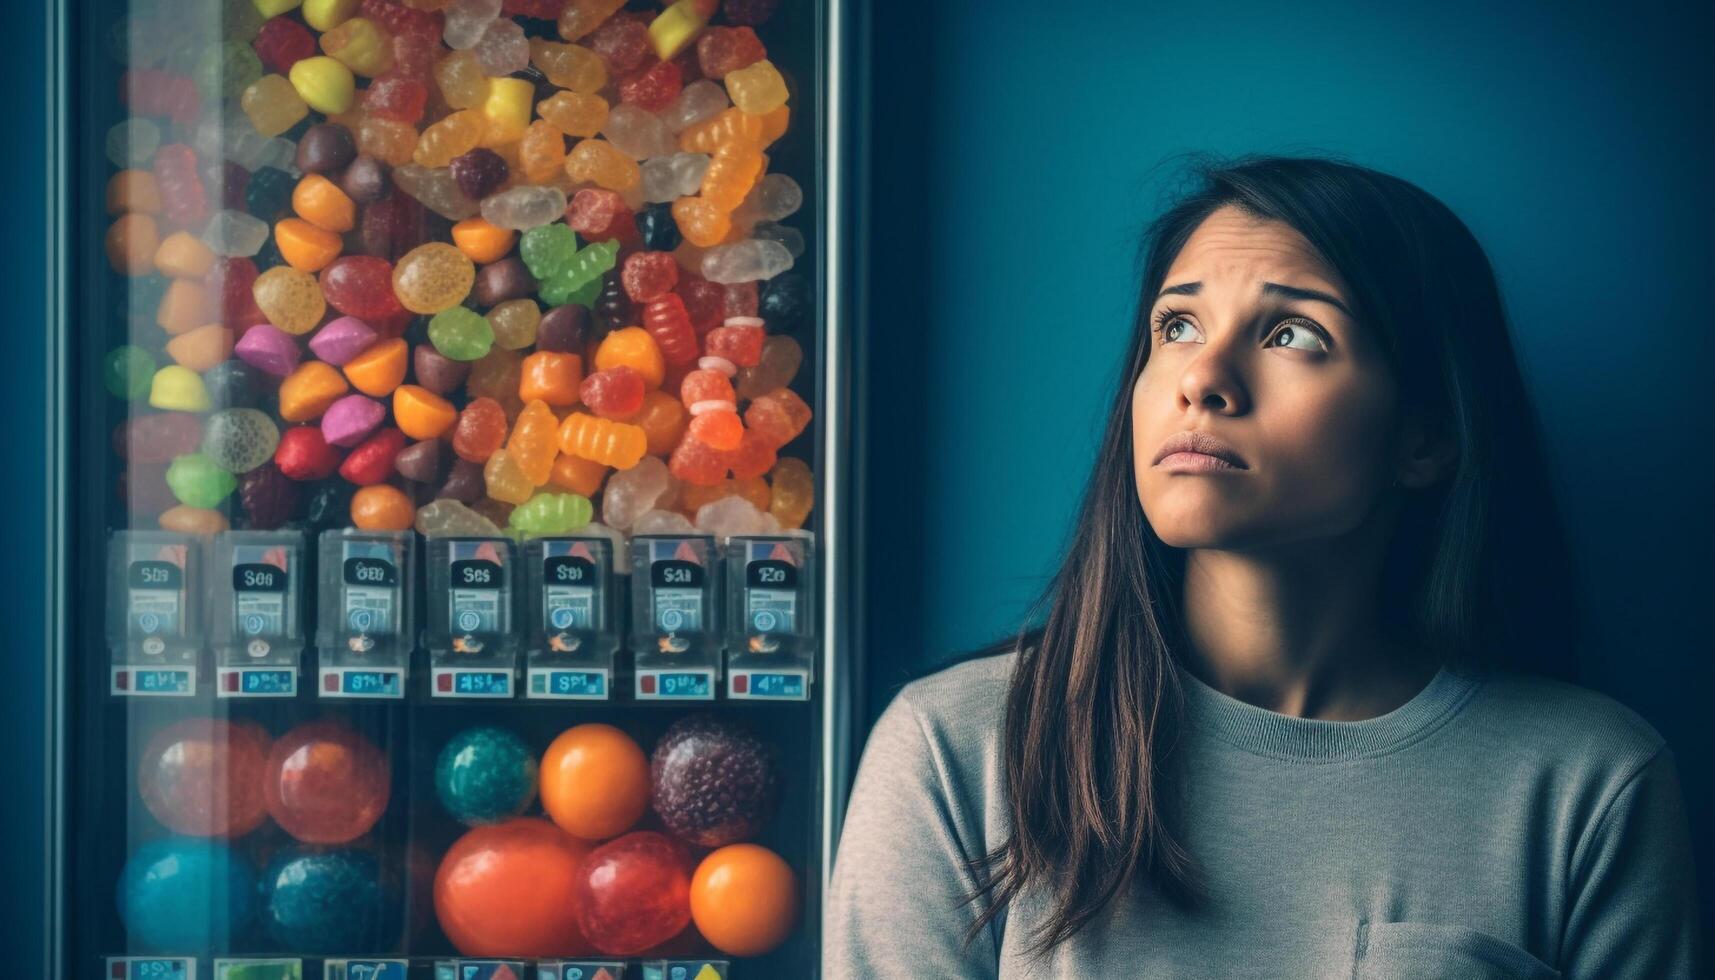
[510, 889]
[595, 781]
[382, 508]
[744, 899]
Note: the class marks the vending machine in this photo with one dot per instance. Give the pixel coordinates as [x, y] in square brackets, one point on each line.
[453, 559]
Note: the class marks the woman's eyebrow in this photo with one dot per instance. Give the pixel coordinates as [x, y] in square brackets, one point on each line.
[1268, 289]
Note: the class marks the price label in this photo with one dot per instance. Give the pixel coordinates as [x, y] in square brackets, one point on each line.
[686, 685]
[258, 682]
[151, 968]
[554, 682]
[153, 681]
[155, 604]
[364, 969]
[465, 682]
[775, 685]
[345, 682]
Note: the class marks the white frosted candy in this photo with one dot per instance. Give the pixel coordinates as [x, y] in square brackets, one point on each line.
[745, 261]
[638, 133]
[700, 100]
[209, 137]
[526, 207]
[669, 177]
[234, 233]
[773, 231]
[631, 492]
[773, 197]
[662, 522]
[735, 515]
[467, 20]
[282, 154]
[503, 48]
[435, 189]
[132, 142]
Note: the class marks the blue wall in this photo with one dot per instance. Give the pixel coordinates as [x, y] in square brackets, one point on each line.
[1030, 138]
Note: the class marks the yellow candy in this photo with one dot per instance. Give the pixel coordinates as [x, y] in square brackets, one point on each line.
[542, 152]
[506, 110]
[462, 82]
[582, 16]
[674, 27]
[387, 140]
[274, 8]
[431, 278]
[757, 89]
[453, 136]
[602, 163]
[273, 105]
[574, 114]
[325, 15]
[290, 299]
[324, 84]
[178, 389]
[793, 491]
[361, 46]
[570, 66]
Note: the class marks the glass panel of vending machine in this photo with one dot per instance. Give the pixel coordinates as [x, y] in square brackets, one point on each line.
[447, 386]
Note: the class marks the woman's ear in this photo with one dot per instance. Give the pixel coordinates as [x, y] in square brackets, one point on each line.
[1425, 454]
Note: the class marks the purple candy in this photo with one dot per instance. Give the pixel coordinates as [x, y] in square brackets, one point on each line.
[269, 349]
[341, 340]
[350, 420]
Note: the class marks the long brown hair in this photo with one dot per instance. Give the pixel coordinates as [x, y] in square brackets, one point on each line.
[1093, 707]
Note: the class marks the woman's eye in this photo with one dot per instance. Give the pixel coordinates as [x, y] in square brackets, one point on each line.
[1170, 330]
[1296, 332]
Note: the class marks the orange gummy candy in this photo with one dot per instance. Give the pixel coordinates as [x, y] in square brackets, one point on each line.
[309, 390]
[636, 349]
[131, 243]
[304, 246]
[319, 201]
[382, 507]
[576, 474]
[483, 242]
[617, 444]
[535, 441]
[552, 377]
[663, 421]
[422, 414]
[379, 370]
[201, 348]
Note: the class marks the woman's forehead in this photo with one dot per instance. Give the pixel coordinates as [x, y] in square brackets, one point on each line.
[1232, 248]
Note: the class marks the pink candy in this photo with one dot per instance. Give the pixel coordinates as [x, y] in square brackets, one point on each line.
[350, 420]
[269, 349]
[341, 340]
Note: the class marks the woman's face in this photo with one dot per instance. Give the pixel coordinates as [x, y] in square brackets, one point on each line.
[1253, 343]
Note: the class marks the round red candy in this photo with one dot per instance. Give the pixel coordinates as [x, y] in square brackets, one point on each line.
[742, 345]
[372, 461]
[615, 393]
[361, 286]
[396, 96]
[649, 274]
[654, 88]
[599, 214]
[304, 455]
[283, 42]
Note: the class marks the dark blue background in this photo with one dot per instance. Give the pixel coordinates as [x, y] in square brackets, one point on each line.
[1017, 149]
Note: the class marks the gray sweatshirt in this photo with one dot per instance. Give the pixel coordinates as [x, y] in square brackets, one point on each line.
[1497, 826]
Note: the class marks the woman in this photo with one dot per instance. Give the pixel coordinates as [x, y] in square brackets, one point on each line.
[1282, 716]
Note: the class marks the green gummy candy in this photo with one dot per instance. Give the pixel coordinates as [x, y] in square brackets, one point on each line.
[128, 372]
[548, 249]
[198, 482]
[552, 513]
[461, 334]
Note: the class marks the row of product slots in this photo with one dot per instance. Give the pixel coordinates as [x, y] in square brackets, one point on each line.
[666, 617]
[298, 968]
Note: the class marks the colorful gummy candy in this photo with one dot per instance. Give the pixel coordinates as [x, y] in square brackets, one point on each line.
[371, 269]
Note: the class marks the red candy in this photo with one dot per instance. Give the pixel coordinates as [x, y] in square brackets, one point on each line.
[361, 286]
[742, 345]
[740, 299]
[599, 214]
[399, 19]
[152, 92]
[622, 42]
[414, 56]
[705, 301]
[706, 385]
[720, 430]
[372, 461]
[304, 455]
[667, 321]
[697, 464]
[616, 393]
[634, 892]
[654, 88]
[753, 457]
[649, 274]
[481, 429]
[157, 438]
[232, 280]
[283, 42]
[725, 49]
[397, 96]
[392, 226]
[182, 194]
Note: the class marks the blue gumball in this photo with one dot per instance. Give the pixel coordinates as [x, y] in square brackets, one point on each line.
[485, 775]
[185, 894]
[325, 901]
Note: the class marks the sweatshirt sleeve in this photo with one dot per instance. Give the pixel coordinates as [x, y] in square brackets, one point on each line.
[895, 904]
[1632, 895]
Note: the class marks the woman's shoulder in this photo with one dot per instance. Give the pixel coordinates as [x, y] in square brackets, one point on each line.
[967, 692]
[1561, 724]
